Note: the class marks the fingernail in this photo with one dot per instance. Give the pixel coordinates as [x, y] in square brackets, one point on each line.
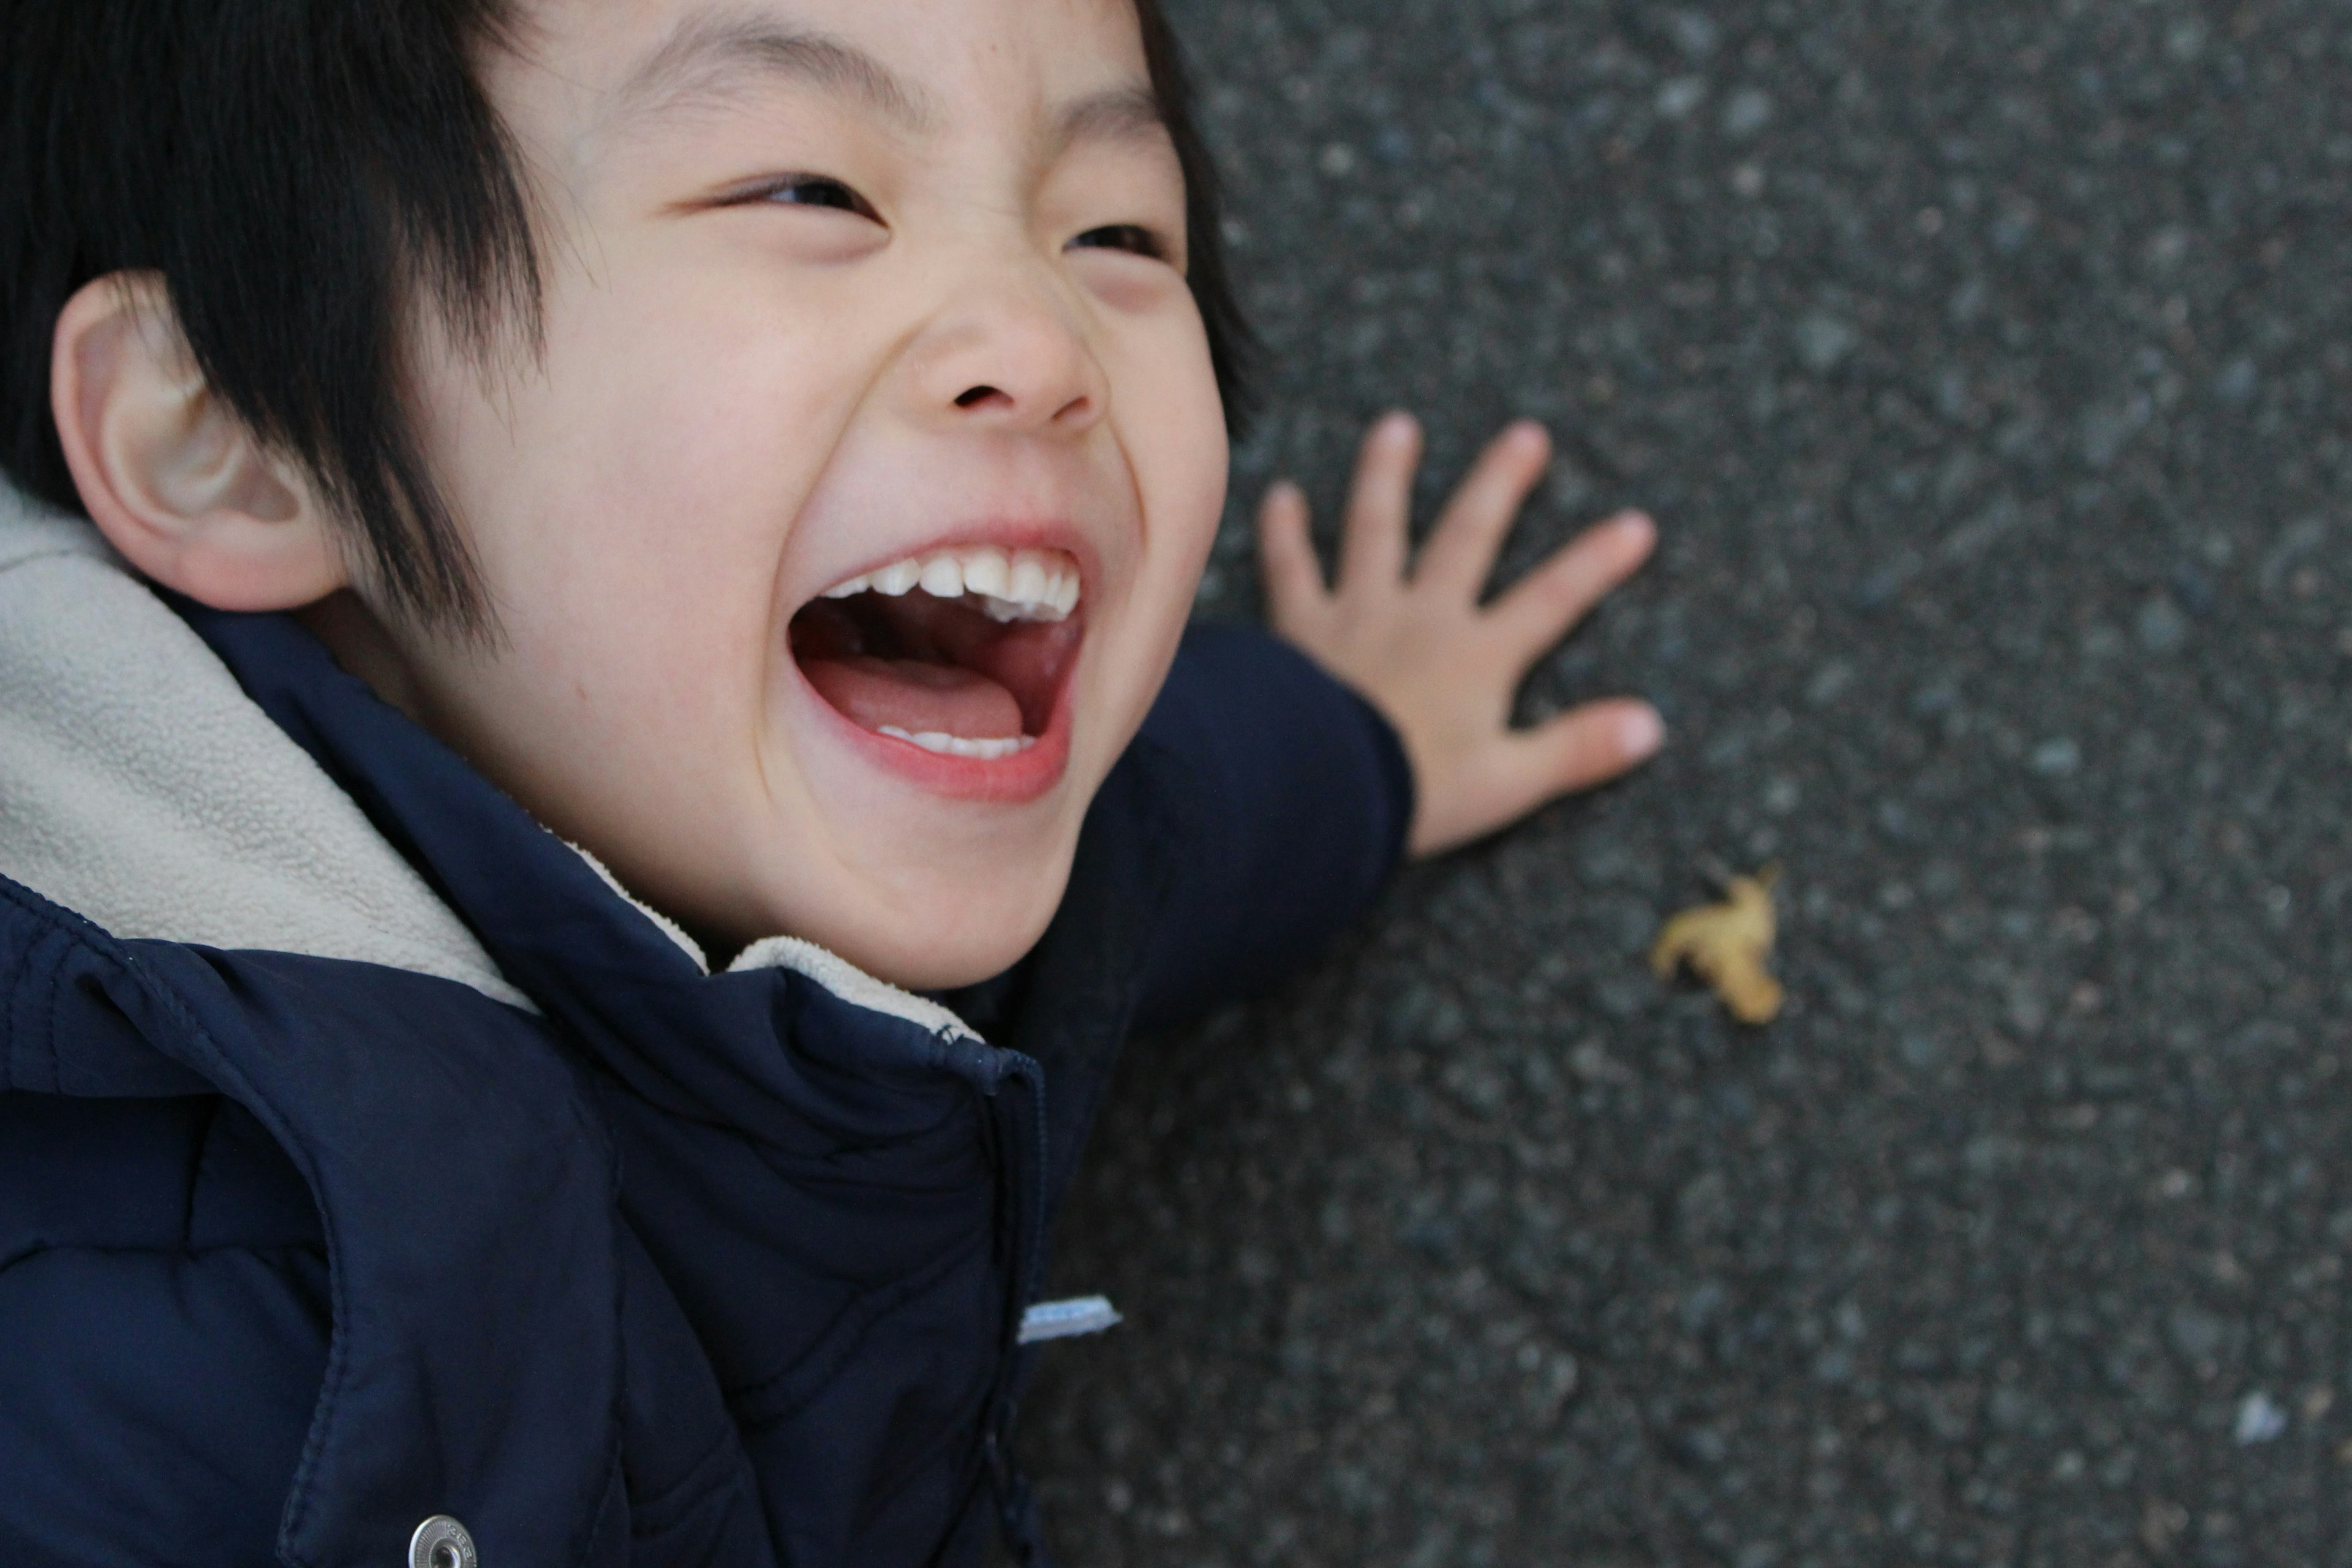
[1398, 425]
[1282, 490]
[1641, 732]
[1635, 521]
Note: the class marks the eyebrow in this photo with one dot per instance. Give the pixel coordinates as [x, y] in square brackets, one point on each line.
[716, 58]
[712, 58]
[1115, 114]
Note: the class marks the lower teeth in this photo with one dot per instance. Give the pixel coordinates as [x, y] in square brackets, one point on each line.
[957, 746]
[1003, 612]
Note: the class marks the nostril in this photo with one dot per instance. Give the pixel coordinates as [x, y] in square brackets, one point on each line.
[976, 396]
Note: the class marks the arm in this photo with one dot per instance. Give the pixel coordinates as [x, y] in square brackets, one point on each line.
[1300, 795]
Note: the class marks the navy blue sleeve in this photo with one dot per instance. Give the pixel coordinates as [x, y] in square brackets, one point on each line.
[1302, 797]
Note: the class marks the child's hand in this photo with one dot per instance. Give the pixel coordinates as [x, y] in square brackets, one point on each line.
[1440, 665]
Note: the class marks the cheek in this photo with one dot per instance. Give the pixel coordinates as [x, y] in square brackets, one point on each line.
[1172, 430]
[1173, 426]
[630, 497]
[1181, 457]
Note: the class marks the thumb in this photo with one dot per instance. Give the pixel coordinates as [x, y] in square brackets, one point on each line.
[1586, 746]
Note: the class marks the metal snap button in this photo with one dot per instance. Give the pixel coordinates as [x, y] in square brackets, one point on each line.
[441, 1542]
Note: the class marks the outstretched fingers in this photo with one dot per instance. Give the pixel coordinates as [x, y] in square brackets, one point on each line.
[1540, 607]
[1380, 505]
[1461, 552]
[1427, 652]
[1286, 559]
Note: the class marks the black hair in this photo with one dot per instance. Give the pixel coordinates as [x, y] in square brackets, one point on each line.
[300, 173]
[1232, 345]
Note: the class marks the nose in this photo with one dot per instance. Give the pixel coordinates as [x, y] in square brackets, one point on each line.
[1010, 354]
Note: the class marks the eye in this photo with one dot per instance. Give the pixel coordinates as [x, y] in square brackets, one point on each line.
[1129, 237]
[815, 191]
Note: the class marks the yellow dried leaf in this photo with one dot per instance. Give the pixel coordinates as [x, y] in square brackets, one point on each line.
[1726, 945]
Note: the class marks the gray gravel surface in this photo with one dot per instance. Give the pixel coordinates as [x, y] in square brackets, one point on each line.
[1985, 363]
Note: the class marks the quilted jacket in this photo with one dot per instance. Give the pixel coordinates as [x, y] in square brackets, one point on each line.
[369, 1158]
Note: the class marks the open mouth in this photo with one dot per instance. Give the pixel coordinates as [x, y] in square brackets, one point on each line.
[960, 652]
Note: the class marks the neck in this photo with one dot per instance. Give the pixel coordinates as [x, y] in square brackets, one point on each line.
[352, 634]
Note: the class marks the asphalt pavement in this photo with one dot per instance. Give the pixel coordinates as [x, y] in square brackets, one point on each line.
[1986, 364]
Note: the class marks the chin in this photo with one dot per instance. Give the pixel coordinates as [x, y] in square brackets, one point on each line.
[918, 926]
[926, 958]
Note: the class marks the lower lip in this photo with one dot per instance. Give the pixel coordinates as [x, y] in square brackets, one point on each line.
[1009, 781]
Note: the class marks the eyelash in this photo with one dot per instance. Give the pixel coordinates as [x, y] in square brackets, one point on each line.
[1129, 237]
[818, 191]
[797, 191]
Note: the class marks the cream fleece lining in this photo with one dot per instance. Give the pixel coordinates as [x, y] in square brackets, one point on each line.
[140, 787]
[827, 968]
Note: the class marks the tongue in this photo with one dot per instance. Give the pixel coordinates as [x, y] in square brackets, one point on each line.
[918, 698]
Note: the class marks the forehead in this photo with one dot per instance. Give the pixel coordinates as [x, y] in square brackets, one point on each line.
[926, 66]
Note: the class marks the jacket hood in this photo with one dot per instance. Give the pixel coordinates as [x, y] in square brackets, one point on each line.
[142, 789]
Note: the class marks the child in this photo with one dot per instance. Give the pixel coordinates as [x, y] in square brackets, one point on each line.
[607, 760]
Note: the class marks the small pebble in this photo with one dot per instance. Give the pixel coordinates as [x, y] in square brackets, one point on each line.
[2260, 1419]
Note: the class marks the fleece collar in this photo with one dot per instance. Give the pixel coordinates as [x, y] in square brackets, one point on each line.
[141, 789]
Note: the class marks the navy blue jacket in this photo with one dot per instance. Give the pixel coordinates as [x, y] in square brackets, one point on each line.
[715, 1270]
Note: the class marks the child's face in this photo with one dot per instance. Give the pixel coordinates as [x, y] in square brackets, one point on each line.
[832, 285]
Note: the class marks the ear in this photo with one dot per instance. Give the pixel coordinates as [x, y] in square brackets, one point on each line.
[171, 476]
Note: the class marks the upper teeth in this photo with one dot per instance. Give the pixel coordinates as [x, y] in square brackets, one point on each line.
[1012, 585]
